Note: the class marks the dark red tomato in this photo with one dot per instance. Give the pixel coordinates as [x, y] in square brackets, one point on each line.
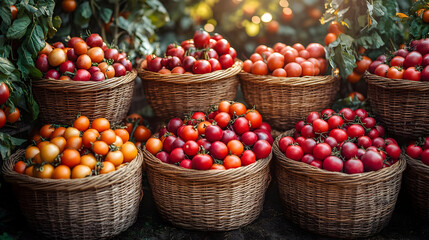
[360, 152]
[327, 112]
[218, 150]
[201, 67]
[214, 133]
[307, 131]
[211, 53]
[423, 45]
[335, 122]
[353, 166]
[299, 125]
[425, 156]
[283, 143]
[372, 161]
[322, 150]
[155, 64]
[212, 43]
[54, 74]
[127, 64]
[71, 55]
[178, 143]
[4, 93]
[261, 149]
[364, 141]
[249, 138]
[312, 116]
[397, 61]
[308, 145]
[393, 151]
[255, 119]
[425, 60]
[2, 118]
[339, 135]
[425, 145]
[226, 61]
[73, 41]
[232, 52]
[380, 130]
[204, 143]
[355, 131]
[378, 142]
[202, 162]
[373, 133]
[186, 163]
[184, 44]
[412, 74]
[176, 155]
[331, 141]
[308, 158]
[42, 63]
[93, 69]
[381, 70]
[217, 37]
[349, 150]
[222, 119]
[316, 163]
[265, 126]
[361, 113]
[401, 52]
[177, 51]
[67, 66]
[294, 152]
[215, 64]
[395, 73]
[369, 122]
[94, 40]
[168, 143]
[374, 65]
[229, 135]
[199, 116]
[97, 76]
[173, 62]
[198, 54]
[201, 39]
[414, 58]
[348, 114]
[381, 58]
[264, 135]
[414, 151]
[425, 74]
[165, 61]
[248, 158]
[163, 156]
[119, 70]
[111, 53]
[241, 125]
[333, 164]
[222, 46]
[390, 141]
[188, 63]
[320, 126]
[174, 124]
[300, 140]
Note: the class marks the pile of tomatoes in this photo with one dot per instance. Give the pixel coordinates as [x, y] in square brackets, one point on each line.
[348, 141]
[202, 54]
[229, 137]
[419, 150]
[138, 132]
[6, 114]
[287, 61]
[411, 64]
[89, 60]
[77, 151]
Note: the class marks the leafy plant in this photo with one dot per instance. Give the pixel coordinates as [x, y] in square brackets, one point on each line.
[417, 27]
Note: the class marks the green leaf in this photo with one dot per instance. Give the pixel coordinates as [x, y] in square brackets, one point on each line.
[83, 15]
[5, 15]
[341, 55]
[8, 143]
[6, 66]
[35, 40]
[106, 14]
[19, 27]
[57, 22]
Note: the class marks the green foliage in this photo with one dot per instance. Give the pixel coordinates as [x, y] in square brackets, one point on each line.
[8, 143]
[348, 102]
[418, 29]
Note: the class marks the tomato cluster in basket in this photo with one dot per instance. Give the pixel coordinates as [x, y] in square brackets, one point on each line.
[229, 137]
[202, 54]
[287, 61]
[419, 149]
[6, 113]
[348, 141]
[77, 151]
[411, 63]
[89, 60]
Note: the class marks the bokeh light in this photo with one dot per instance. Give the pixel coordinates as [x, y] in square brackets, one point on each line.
[256, 19]
[266, 17]
[284, 3]
[209, 27]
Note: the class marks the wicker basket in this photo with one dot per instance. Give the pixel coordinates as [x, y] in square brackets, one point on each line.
[90, 208]
[60, 100]
[208, 200]
[337, 204]
[175, 95]
[285, 100]
[416, 180]
[401, 105]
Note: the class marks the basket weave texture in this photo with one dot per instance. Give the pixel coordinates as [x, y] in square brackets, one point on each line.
[208, 200]
[61, 100]
[89, 208]
[401, 105]
[416, 179]
[178, 94]
[337, 204]
[283, 101]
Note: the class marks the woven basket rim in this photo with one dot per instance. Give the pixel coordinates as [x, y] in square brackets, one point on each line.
[417, 165]
[84, 86]
[389, 83]
[92, 182]
[234, 174]
[329, 177]
[291, 81]
[146, 75]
